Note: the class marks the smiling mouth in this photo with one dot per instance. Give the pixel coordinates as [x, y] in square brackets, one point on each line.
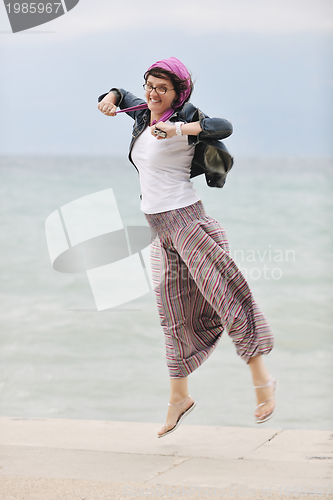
[155, 100]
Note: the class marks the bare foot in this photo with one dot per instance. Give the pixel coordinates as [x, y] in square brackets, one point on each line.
[175, 411]
[266, 398]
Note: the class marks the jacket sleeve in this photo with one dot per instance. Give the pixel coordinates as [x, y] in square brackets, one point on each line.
[212, 128]
[125, 100]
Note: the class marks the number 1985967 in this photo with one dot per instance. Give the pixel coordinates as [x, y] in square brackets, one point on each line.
[33, 8]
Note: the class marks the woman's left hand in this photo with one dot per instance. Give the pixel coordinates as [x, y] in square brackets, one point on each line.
[169, 129]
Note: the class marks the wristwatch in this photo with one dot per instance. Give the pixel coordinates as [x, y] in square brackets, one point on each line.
[178, 129]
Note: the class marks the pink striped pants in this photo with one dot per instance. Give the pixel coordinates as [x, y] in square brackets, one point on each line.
[200, 291]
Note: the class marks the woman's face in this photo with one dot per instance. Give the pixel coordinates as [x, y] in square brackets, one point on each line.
[159, 103]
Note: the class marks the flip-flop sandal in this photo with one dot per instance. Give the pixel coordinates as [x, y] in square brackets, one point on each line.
[180, 418]
[273, 382]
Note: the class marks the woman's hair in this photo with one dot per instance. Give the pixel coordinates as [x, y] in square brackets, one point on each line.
[178, 84]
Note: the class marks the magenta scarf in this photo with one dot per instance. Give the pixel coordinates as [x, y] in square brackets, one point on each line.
[177, 67]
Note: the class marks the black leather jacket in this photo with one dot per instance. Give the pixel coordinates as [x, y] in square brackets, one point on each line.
[211, 157]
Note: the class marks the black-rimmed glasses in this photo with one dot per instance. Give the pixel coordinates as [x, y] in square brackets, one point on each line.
[158, 90]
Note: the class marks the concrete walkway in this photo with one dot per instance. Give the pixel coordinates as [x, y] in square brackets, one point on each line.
[53, 459]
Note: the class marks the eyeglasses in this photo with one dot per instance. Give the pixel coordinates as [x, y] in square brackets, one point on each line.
[158, 90]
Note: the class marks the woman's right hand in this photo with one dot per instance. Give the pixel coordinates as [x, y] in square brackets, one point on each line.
[107, 106]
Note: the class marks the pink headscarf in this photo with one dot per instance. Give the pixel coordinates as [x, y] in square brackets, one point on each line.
[175, 66]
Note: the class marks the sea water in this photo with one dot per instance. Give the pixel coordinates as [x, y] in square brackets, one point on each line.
[61, 358]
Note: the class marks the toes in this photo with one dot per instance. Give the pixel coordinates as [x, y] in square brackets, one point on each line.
[263, 413]
[161, 431]
[164, 429]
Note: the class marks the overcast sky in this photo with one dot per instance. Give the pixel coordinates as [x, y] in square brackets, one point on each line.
[266, 65]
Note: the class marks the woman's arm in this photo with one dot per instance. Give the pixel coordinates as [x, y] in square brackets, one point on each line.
[193, 128]
[211, 128]
[214, 128]
[197, 126]
[107, 103]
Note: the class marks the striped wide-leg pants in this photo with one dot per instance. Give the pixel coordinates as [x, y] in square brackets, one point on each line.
[200, 291]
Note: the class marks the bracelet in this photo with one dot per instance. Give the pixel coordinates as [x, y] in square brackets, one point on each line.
[178, 129]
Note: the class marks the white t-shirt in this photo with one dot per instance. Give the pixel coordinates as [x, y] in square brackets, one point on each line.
[164, 166]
